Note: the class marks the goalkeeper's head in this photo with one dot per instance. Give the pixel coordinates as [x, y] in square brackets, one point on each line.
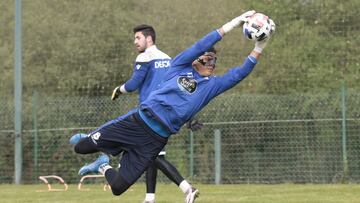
[205, 64]
[144, 37]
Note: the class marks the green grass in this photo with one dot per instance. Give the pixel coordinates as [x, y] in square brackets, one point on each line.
[169, 193]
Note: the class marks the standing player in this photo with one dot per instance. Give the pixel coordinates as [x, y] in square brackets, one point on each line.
[149, 69]
[188, 86]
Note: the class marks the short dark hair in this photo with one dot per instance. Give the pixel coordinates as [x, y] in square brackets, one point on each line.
[212, 49]
[146, 30]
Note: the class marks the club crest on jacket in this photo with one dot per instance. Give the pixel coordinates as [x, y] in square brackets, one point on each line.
[187, 84]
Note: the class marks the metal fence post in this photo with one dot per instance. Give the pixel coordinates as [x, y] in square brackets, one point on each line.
[217, 144]
[191, 154]
[18, 159]
[344, 151]
[35, 128]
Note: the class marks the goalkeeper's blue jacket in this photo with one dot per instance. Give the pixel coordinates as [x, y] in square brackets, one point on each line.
[184, 92]
[149, 70]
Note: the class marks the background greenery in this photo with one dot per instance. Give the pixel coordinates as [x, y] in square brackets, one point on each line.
[76, 52]
[85, 47]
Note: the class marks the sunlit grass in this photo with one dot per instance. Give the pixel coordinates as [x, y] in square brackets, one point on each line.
[169, 193]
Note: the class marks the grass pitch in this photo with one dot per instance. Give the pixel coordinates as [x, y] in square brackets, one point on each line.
[169, 193]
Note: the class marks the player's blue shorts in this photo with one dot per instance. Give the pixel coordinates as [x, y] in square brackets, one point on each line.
[130, 135]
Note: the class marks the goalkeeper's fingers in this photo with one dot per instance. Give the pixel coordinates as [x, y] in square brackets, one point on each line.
[272, 29]
[244, 17]
[194, 124]
[115, 94]
[238, 21]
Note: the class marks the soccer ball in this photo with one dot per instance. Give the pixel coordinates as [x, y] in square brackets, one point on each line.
[258, 27]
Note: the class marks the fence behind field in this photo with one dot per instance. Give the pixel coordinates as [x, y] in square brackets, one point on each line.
[301, 138]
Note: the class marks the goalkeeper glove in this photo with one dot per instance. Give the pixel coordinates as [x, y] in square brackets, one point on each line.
[194, 124]
[116, 93]
[260, 45]
[238, 21]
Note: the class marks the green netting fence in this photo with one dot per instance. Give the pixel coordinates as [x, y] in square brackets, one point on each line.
[250, 138]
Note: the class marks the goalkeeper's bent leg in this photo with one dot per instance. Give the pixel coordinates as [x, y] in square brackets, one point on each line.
[85, 146]
[117, 183]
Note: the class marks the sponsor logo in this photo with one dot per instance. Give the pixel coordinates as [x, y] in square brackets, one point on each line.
[162, 64]
[187, 84]
[138, 66]
[96, 136]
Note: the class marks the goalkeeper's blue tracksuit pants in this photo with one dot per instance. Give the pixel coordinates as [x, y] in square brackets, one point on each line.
[138, 142]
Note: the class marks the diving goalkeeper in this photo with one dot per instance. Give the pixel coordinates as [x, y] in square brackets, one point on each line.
[188, 86]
